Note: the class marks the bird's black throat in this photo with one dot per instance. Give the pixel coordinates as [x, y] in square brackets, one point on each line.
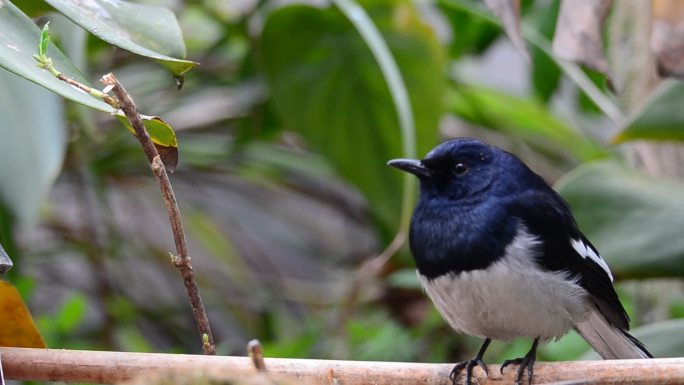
[446, 238]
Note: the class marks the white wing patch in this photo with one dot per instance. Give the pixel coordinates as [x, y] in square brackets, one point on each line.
[587, 252]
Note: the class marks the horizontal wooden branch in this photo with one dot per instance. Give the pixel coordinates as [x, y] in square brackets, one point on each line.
[113, 367]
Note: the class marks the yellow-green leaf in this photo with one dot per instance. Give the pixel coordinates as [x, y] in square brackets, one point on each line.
[163, 136]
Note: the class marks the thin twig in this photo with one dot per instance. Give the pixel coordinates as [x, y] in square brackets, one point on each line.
[181, 260]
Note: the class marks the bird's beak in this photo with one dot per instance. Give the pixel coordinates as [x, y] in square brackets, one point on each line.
[412, 166]
[5, 262]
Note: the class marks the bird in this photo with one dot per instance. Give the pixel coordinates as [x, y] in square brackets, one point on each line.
[501, 257]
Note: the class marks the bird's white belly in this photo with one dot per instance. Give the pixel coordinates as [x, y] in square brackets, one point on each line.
[511, 298]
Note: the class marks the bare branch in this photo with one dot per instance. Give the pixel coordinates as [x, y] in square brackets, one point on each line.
[181, 260]
[114, 367]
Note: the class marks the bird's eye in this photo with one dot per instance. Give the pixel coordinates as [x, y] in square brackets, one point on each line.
[460, 169]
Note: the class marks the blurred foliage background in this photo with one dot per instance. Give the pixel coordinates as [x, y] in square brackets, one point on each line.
[284, 130]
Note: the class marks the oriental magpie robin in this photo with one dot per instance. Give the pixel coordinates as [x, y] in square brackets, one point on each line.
[500, 255]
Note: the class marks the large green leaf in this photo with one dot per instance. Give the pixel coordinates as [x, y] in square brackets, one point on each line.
[34, 8]
[635, 221]
[19, 38]
[327, 86]
[145, 30]
[32, 143]
[520, 117]
[661, 118]
[658, 337]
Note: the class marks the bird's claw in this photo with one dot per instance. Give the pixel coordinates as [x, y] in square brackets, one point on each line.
[515, 361]
[468, 366]
[523, 362]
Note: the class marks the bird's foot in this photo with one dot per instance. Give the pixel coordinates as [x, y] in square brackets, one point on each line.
[468, 366]
[523, 363]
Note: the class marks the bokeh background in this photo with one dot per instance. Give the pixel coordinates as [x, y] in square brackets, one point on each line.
[284, 131]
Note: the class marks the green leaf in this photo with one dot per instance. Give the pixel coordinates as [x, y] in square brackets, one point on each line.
[32, 143]
[544, 72]
[44, 40]
[18, 39]
[470, 34]
[520, 117]
[162, 134]
[327, 86]
[145, 30]
[72, 313]
[34, 8]
[634, 220]
[661, 118]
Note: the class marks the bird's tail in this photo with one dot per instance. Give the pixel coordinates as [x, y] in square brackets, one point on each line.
[609, 341]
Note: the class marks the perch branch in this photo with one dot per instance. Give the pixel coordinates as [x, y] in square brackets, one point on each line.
[114, 367]
[181, 260]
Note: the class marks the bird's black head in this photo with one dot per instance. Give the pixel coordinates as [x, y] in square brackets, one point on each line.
[467, 170]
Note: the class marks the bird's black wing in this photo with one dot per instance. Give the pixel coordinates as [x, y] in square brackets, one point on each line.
[564, 248]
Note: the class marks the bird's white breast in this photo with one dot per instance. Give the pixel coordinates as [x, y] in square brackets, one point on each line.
[511, 298]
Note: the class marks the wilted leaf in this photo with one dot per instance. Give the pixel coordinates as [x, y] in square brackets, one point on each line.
[145, 30]
[508, 12]
[635, 221]
[163, 136]
[661, 118]
[579, 33]
[19, 39]
[328, 87]
[667, 37]
[32, 144]
[18, 329]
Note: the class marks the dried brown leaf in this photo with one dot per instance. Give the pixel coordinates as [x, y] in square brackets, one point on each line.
[508, 12]
[18, 328]
[667, 37]
[579, 33]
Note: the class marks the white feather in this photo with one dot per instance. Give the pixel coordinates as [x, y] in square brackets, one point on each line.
[587, 252]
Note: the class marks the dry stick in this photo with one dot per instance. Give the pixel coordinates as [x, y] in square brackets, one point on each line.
[256, 353]
[181, 260]
[114, 367]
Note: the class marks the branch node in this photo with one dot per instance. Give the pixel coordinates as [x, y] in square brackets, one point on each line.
[157, 164]
[331, 378]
